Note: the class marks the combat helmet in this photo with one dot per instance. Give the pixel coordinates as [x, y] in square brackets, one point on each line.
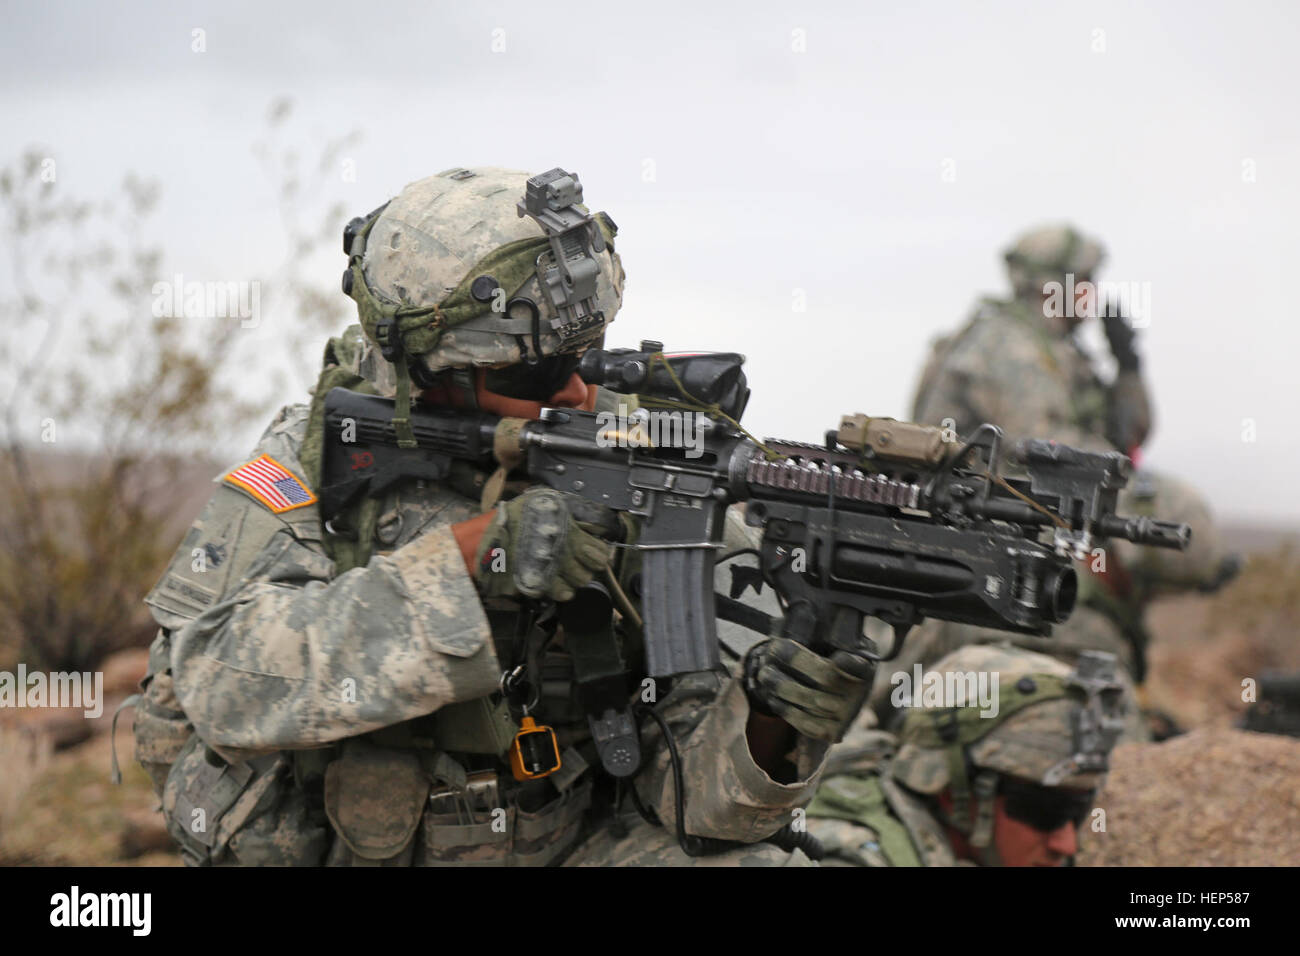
[1054, 727]
[482, 267]
[1048, 254]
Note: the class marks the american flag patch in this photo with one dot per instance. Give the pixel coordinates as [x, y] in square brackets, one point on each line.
[272, 484]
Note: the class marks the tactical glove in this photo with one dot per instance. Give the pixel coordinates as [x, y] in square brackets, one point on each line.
[1121, 337]
[1128, 412]
[544, 544]
[817, 696]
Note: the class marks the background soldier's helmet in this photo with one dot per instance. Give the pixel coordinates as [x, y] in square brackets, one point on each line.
[484, 266]
[1153, 572]
[1055, 725]
[1046, 255]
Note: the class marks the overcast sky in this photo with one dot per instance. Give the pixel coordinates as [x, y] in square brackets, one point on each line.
[875, 156]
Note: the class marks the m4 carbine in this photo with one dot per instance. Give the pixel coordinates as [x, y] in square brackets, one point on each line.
[882, 518]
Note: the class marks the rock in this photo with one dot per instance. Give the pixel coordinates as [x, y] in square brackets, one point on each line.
[1212, 797]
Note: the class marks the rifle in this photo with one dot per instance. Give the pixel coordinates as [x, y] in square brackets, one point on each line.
[882, 518]
[1277, 711]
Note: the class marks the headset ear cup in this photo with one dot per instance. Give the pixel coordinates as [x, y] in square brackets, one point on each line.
[355, 226]
[350, 233]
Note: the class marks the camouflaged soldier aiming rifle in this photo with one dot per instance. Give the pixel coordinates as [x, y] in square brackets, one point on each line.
[380, 688]
[965, 783]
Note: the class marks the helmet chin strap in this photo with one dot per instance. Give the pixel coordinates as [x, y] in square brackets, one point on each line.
[981, 836]
[460, 383]
[979, 795]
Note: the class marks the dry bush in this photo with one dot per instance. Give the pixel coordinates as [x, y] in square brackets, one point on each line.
[105, 397]
[112, 397]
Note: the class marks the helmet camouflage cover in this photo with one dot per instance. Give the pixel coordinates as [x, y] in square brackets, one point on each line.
[1054, 726]
[484, 266]
[1048, 254]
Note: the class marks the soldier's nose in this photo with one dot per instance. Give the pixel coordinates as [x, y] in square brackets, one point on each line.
[1064, 840]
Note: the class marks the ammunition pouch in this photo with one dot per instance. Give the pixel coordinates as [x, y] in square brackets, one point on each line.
[161, 728]
[374, 797]
[246, 813]
[507, 835]
[400, 807]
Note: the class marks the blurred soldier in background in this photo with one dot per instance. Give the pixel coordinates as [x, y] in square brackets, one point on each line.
[965, 783]
[1016, 363]
[359, 691]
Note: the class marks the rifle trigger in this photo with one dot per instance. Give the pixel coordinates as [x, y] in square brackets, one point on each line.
[901, 629]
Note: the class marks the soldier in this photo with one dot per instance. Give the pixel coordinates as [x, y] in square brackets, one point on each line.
[350, 693]
[967, 783]
[1016, 363]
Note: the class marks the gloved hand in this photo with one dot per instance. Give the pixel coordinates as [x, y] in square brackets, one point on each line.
[1128, 412]
[817, 696]
[1121, 337]
[544, 544]
[1124, 429]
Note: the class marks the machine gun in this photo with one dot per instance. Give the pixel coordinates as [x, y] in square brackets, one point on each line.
[882, 518]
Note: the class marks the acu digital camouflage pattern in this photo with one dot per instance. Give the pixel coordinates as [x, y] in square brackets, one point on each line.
[1033, 743]
[281, 666]
[1087, 630]
[901, 831]
[432, 235]
[1024, 372]
[1021, 369]
[644, 845]
[267, 657]
[869, 810]
[1049, 253]
[862, 817]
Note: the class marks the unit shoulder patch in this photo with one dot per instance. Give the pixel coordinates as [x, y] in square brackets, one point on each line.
[272, 484]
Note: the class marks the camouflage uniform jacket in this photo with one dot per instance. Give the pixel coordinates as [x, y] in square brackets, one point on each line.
[863, 817]
[294, 715]
[1026, 373]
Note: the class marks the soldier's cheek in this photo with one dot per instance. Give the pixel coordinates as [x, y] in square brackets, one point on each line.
[1021, 845]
